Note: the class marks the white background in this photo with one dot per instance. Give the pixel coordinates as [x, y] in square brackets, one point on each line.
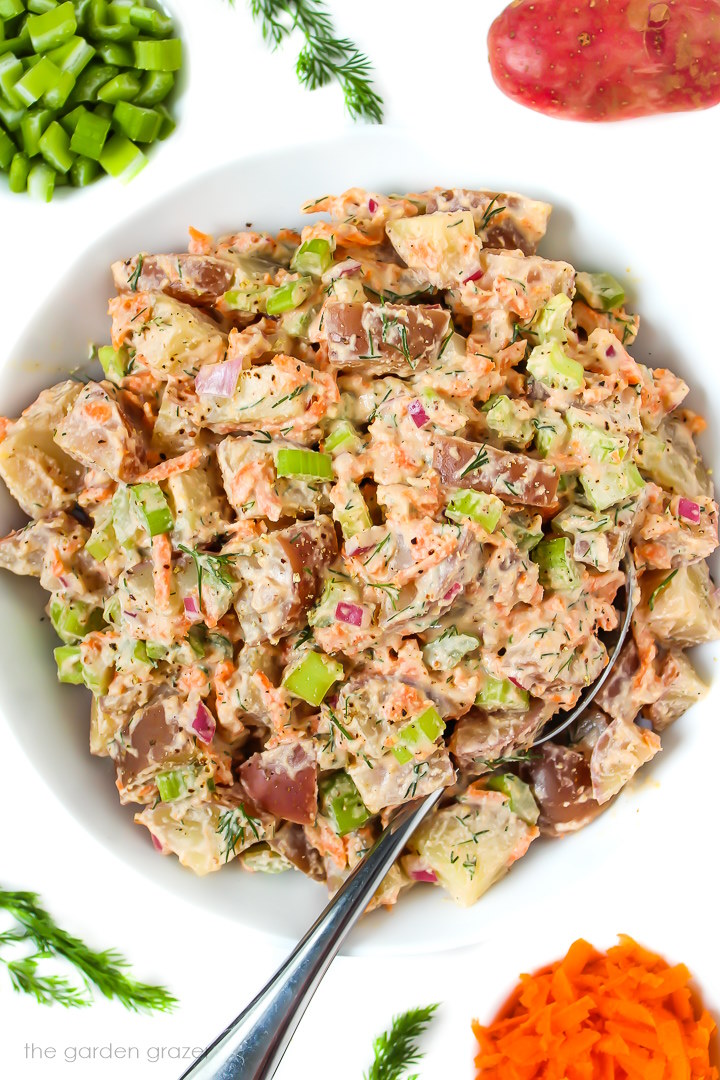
[434, 78]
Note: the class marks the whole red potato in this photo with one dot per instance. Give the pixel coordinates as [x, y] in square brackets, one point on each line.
[608, 59]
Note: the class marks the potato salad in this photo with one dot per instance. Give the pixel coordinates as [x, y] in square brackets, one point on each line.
[342, 521]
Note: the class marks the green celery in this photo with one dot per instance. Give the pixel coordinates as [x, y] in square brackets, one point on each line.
[307, 463]
[19, 171]
[155, 87]
[122, 159]
[72, 620]
[140, 125]
[520, 795]
[37, 81]
[158, 55]
[83, 171]
[150, 22]
[53, 28]
[115, 362]
[313, 257]
[175, 784]
[502, 694]
[476, 505]
[341, 801]
[312, 677]
[601, 291]
[69, 664]
[11, 70]
[55, 147]
[41, 182]
[343, 437]
[557, 569]
[550, 322]
[153, 508]
[88, 140]
[419, 735]
[288, 296]
[8, 150]
[551, 366]
[73, 56]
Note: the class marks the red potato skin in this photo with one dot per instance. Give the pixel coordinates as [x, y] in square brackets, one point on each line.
[608, 59]
[284, 786]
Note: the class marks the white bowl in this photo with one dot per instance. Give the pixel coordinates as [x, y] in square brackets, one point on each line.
[645, 225]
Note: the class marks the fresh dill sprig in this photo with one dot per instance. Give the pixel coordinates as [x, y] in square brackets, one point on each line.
[396, 1049]
[324, 56]
[103, 970]
[231, 826]
[213, 564]
[478, 461]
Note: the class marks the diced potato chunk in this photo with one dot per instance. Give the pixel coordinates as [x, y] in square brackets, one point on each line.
[443, 246]
[197, 505]
[38, 474]
[471, 845]
[174, 339]
[684, 611]
[98, 434]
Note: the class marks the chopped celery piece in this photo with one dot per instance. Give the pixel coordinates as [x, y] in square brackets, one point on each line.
[141, 125]
[70, 120]
[311, 679]
[8, 150]
[124, 87]
[174, 783]
[288, 296]
[115, 362]
[53, 28]
[598, 443]
[549, 324]
[354, 516]
[102, 541]
[343, 437]
[446, 652]
[155, 650]
[525, 537]
[39, 7]
[11, 118]
[521, 798]
[153, 508]
[124, 521]
[73, 619]
[601, 291]
[100, 24]
[10, 8]
[502, 694]
[11, 70]
[83, 171]
[31, 128]
[504, 417]
[88, 139]
[19, 170]
[56, 96]
[41, 182]
[112, 52]
[476, 505]
[149, 21]
[261, 859]
[167, 124]
[158, 55]
[155, 87]
[310, 463]
[251, 298]
[420, 734]
[402, 754]
[550, 431]
[55, 147]
[340, 801]
[549, 365]
[69, 664]
[73, 56]
[613, 484]
[37, 81]
[557, 569]
[313, 257]
[122, 159]
[92, 79]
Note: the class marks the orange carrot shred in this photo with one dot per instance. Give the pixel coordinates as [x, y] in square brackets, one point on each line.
[621, 1015]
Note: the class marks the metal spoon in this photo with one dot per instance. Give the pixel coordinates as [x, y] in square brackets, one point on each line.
[252, 1046]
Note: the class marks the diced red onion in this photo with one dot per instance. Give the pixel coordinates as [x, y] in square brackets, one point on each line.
[610, 351]
[156, 843]
[343, 269]
[218, 380]
[63, 581]
[452, 591]
[474, 276]
[130, 614]
[424, 875]
[204, 724]
[516, 683]
[689, 510]
[349, 613]
[417, 413]
[353, 548]
[191, 608]
[372, 206]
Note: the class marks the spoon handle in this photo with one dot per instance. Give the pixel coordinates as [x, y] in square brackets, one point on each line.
[252, 1047]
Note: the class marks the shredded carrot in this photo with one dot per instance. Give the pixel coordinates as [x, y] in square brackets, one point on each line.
[172, 467]
[625, 1014]
[162, 570]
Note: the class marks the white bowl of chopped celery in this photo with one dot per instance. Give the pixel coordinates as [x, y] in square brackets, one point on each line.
[633, 222]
